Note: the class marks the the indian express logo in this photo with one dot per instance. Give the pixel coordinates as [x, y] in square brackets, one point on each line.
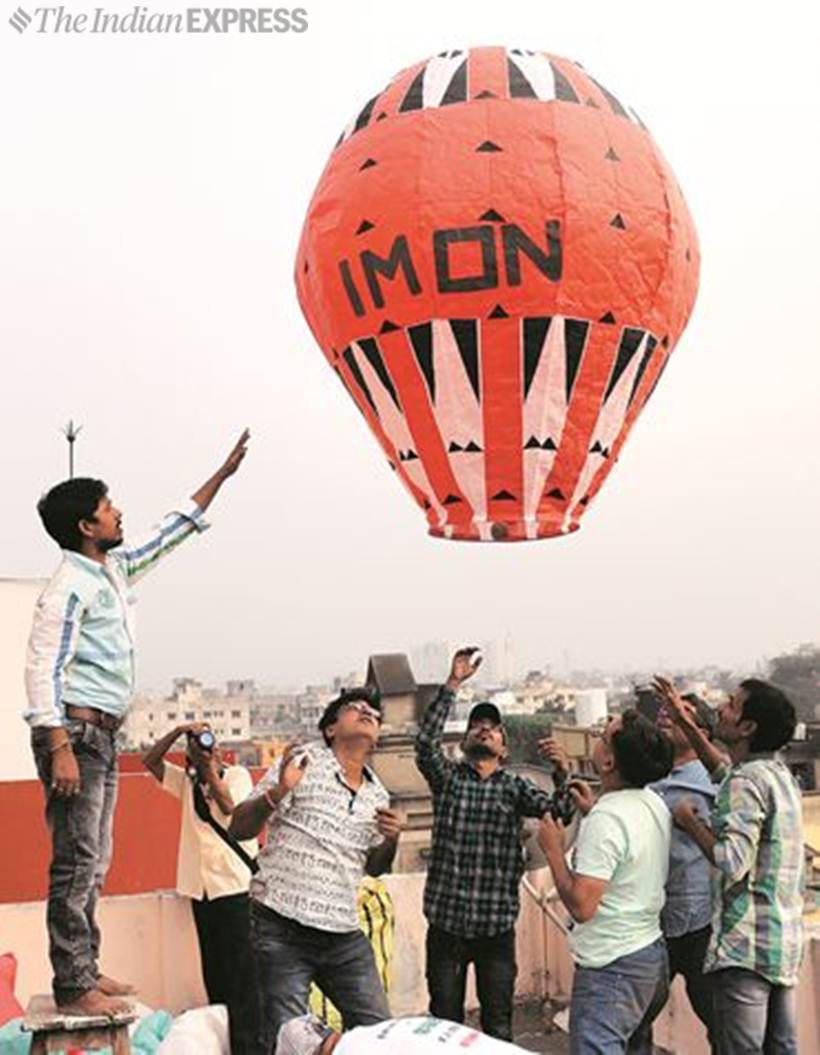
[142, 20]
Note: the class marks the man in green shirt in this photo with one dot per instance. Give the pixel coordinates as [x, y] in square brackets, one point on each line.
[614, 891]
[756, 846]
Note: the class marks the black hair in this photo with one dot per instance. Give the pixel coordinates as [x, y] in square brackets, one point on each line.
[772, 712]
[368, 693]
[63, 507]
[642, 753]
[705, 717]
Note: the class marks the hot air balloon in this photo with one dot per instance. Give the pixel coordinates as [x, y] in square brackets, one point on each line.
[497, 262]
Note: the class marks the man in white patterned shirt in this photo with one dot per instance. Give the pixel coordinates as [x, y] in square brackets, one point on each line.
[329, 822]
[79, 681]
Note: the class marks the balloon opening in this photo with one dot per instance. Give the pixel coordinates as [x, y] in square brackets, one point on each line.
[503, 530]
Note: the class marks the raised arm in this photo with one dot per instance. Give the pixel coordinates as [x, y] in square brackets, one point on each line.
[250, 817]
[714, 760]
[430, 758]
[138, 558]
[154, 758]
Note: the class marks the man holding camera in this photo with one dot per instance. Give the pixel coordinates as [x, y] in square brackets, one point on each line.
[614, 891]
[79, 681]
[329, 822]
[212, 873]
[471, 897]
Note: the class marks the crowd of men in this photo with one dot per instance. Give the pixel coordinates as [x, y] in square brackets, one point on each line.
[688, 858]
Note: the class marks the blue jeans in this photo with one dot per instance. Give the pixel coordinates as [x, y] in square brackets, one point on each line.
[289, 956]
[613, 1007]
[448, 957]
[81, 846]
[753, 1016]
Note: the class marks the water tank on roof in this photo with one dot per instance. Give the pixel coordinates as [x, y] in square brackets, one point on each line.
[590, 706]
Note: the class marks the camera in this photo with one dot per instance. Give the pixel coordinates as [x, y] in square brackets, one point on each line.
[562, 806]
[204, 739]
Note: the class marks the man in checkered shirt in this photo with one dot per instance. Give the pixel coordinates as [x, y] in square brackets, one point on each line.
[471, 896]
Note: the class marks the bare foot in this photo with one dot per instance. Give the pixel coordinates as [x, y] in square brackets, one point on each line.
[111, 987]
[95, 1003]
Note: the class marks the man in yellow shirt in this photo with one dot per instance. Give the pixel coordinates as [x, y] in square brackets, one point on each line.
[212, 874]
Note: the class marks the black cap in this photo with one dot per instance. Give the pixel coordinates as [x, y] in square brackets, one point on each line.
[368, 693]
[485, 710]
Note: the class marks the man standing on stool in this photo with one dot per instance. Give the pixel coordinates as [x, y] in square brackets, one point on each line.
[79, 680]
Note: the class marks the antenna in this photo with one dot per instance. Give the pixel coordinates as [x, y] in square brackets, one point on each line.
[71, 432]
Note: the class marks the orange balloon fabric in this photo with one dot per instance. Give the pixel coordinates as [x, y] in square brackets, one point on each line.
[497, 262]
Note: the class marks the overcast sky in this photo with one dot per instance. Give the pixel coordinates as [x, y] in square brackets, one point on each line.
[151, 199]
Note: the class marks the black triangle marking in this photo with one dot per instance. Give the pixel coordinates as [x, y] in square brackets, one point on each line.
[374, 357]
[366, 113]
[457, 88]
[609, 318]
[610, 155]
[392, 466]
[630, 342]
[575, 338]
[369, 164]
[411, 456]
[556, 492]
[414, 99]
[365, 225]
[451, 500]
[488, 148]
[426, 506]
[306, 268]
[593, 104]
[520, 87]
[486, 94]
[535, 333]
[618, 221]
[563, 89]
[454, 447]
[503, 496]
[358, 377]
[381, 116]
[492, 216]
[596, 448]
[584, 501]
[473, 448]
[389, 327]
[498, 313]
[665, 341]
[548, 445]
[651, 345]
[465, 332]
[617, 108]
[532, 444]
[421, 337]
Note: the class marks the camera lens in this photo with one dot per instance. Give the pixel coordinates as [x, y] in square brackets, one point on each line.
[206, 740]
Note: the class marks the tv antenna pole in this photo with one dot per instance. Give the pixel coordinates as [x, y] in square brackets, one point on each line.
[71, 432]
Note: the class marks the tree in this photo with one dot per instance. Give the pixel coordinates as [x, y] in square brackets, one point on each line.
[798, 675]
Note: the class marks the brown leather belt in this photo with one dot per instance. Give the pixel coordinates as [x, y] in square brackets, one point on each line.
[93, 717]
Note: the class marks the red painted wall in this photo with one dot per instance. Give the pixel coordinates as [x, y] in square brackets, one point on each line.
[146, 834]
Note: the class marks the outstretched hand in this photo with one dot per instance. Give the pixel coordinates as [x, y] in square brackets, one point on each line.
[465, 663]
[292, 769]
[673, 703]
[234, 459]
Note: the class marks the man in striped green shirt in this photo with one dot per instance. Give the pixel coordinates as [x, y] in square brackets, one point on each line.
[756, 846]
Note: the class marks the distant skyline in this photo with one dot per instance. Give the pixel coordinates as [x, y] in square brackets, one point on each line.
[150, 207]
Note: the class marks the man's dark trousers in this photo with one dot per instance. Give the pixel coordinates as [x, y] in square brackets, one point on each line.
[686, 955]
[81, 827]
[448, 957]
[223, 928]
[289, 956]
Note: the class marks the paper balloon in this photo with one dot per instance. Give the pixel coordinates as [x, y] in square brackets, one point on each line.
[497, 262]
